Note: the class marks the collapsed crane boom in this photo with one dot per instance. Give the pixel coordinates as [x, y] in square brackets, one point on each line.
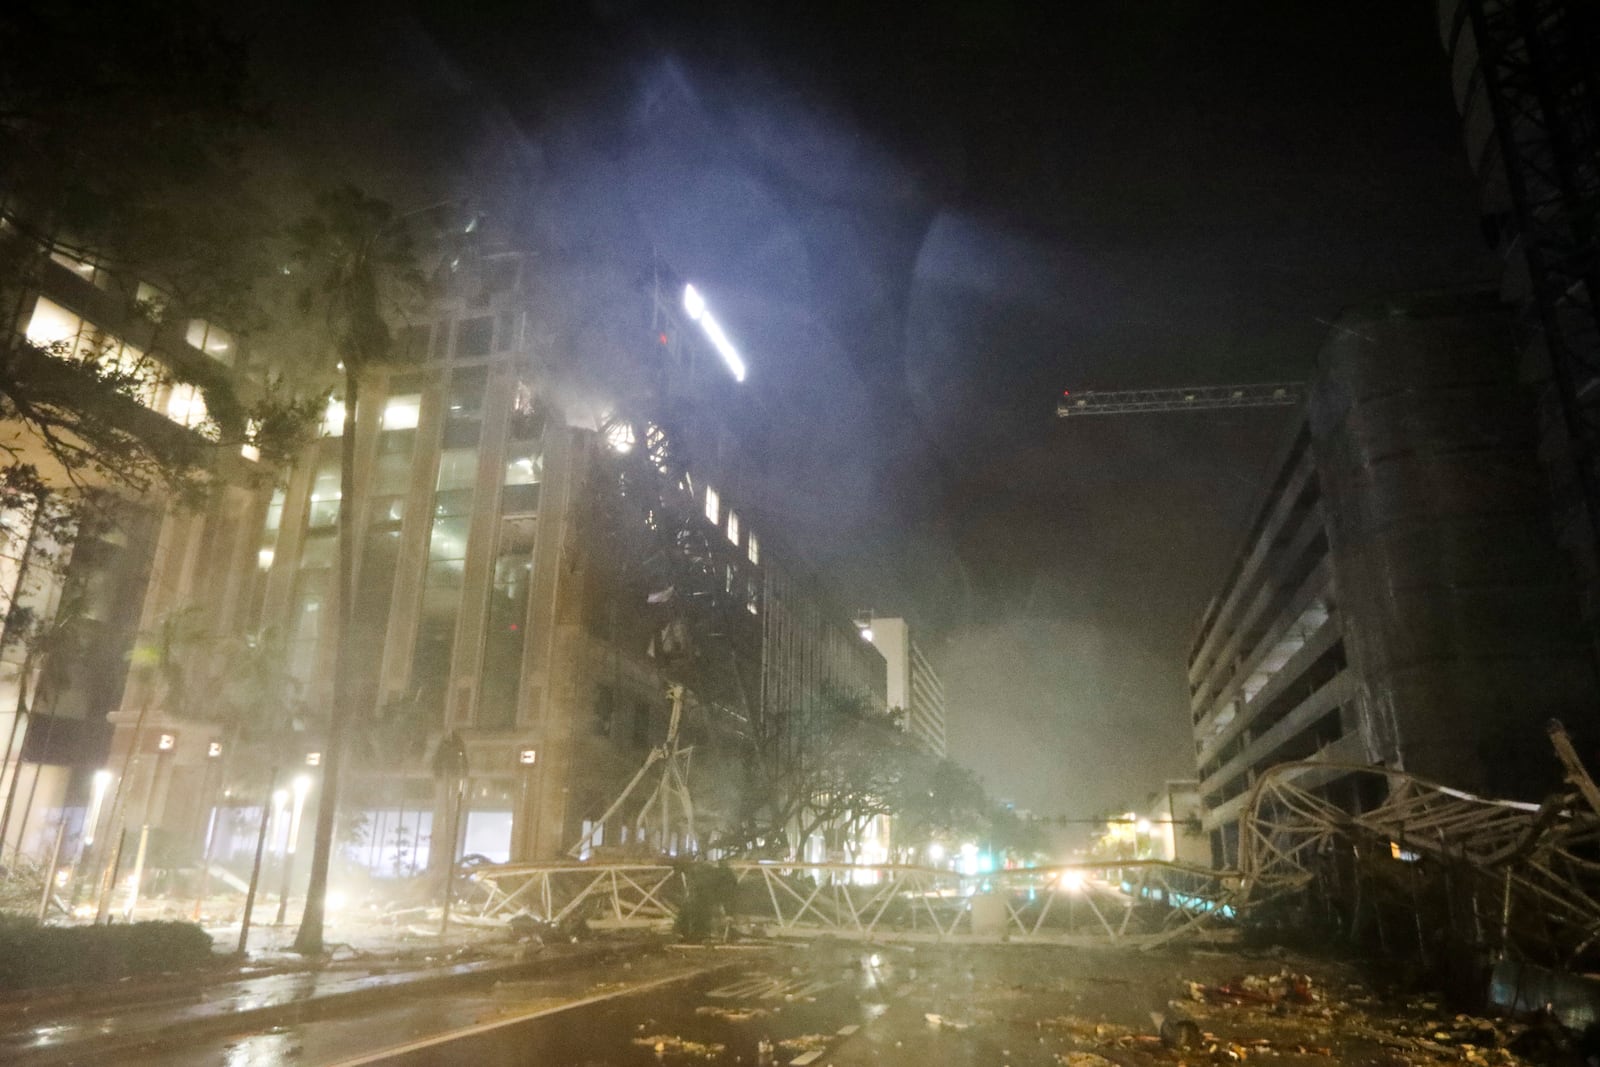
[1188, 398]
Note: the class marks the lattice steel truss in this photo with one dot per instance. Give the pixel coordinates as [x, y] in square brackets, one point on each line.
[1187, 398]
[1514, 877]
[1136, 903]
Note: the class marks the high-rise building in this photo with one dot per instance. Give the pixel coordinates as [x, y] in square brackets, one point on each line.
[535, 564]
[913, 684]
[1399, 598]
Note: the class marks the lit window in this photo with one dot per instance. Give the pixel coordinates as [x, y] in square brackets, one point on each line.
[211, 339]
[151, 302]
[733, 526]
[250, 450]
[754, 548]
[713, 505]
[53, 324]
[402, 412]
[84, 269]
[185, 405]
[333, 419]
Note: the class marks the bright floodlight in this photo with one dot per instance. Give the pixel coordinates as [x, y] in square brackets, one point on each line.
[695, 305]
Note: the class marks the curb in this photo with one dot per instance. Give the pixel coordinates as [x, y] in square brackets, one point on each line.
[381, 987]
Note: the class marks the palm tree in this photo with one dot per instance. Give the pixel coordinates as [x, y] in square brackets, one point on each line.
[356, 270]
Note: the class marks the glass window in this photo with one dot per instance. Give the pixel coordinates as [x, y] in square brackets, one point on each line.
[524, 465]
[402, 412]
[83, 268]
[324, 510]
[53, 324]
[475, 337]
[211, 339]
[151, 302]
[185, 405]
[526, 421]
[524, 472]
[463, 417]
[333, 418]
[458, 468]
[753, 548]
[508, 613]
[319, 549]
[411, 343]
[713, 506]
[443, 579]
[733, 526]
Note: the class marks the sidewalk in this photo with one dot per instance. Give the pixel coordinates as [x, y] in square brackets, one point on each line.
[277, 988]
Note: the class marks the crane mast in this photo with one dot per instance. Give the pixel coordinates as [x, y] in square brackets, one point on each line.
[1186, 398]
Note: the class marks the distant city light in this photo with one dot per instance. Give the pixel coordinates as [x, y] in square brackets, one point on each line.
[695, 305]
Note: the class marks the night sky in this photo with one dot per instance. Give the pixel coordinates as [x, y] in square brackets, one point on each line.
[919, 225]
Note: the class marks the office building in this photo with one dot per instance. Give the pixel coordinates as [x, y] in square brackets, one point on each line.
[913, 684]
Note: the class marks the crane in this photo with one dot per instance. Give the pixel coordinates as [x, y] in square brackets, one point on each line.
[1185, 398]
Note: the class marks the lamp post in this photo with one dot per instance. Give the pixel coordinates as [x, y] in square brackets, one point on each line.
[527, 759]
[302, 786]
[255, 868]
[165, 744]
[450, 766]
[213, 760]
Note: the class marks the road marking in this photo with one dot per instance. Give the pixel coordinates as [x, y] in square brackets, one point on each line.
[846, 1031]
[484, 1028]
[810, 1057]
[748, 986]
[763, 987]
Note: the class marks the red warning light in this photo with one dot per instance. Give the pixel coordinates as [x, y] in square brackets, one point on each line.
[1066, 392]
[663, 338]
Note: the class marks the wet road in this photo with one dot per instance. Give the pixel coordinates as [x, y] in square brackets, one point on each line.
[827, 1003]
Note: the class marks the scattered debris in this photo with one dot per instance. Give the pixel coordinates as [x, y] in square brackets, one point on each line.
[673, 1045]
[1084, 1059]
[732, 1015]
[805, 1043]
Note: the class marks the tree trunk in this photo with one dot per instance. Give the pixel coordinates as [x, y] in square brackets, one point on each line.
[308, 940]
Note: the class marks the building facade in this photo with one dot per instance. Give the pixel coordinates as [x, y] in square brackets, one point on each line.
[1399, 599]
[913, 684]
[73, 580]
[532, 572]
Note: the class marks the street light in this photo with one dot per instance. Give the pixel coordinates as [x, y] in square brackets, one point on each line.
[695, 305]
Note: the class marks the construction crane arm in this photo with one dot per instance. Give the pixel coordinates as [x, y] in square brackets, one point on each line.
[1188, 398]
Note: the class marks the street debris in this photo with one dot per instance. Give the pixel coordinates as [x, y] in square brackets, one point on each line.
[664, 1045]
[804, 1043]
[732, 1015]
